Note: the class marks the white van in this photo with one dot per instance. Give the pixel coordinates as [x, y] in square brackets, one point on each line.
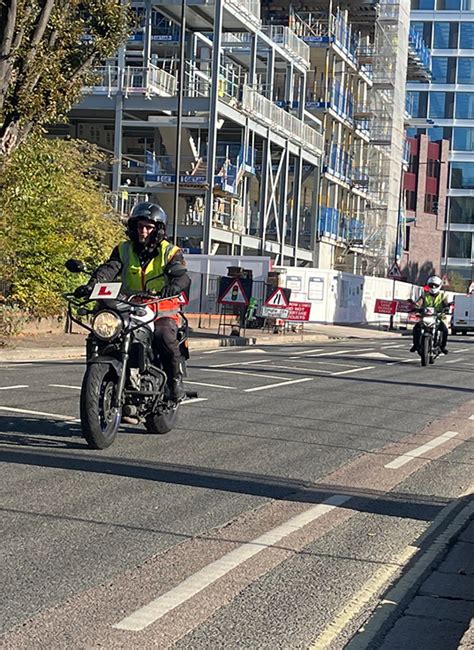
[463, 315]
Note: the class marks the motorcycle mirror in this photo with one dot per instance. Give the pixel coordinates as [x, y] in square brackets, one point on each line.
[75, 266]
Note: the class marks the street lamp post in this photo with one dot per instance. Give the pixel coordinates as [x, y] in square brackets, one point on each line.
[179, 120]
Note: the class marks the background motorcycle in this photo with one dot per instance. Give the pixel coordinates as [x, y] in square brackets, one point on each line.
[429, 347]
[123, 377]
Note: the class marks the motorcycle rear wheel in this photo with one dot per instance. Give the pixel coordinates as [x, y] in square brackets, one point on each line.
[163, 422]
[425, 350]
[99, 419]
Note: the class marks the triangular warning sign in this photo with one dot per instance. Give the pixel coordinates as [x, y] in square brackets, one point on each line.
[277, 299]
[183, 299]
[234, 294]
[394, 272]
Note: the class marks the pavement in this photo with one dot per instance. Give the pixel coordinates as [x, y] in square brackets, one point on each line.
[356, 491]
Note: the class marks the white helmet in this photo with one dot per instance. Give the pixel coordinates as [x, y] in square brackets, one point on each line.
[434, 283]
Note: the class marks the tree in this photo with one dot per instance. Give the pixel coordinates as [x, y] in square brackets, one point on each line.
[53, 208]
[48, 49]
[457, 283]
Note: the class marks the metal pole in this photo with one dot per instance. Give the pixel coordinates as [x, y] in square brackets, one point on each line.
[397, 235]
[179, 121]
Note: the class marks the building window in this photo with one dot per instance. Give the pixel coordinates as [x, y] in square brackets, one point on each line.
[417, 103]
[439, 132]
[461, 209]
[445, 36]
[431, 204]
[466, 70]
[443, 69]
[441, 105]
[466, 36]
[462, 175]
[460, 244]
[432, 168]
[407, 238]
[423, 4]
[410, 200]
[463, 138]
[465, 106]
[413, 163]
[449, 5]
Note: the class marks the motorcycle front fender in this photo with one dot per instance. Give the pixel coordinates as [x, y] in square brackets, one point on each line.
[111, 361]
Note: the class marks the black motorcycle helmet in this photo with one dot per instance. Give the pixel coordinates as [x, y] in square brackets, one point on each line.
[153, 213]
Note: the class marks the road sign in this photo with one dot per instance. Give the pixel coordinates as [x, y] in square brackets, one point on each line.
[404, 307]
[275, 312]
[385, 307]
[233, 294]
[105, 290]
[394, 272]
[279, 298]
[183, 299]
[299, 311]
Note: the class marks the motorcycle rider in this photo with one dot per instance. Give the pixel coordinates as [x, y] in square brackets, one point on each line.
[432, 296]
[148, 261]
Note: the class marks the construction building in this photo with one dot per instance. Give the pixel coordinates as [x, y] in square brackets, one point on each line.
[248, 169]
[444, 108]
[292, 142]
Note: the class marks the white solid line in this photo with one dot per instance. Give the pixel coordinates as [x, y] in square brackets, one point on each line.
[406, 458]
[49, 415]
[296, 368]
[156, 609]
[13, 387]
[194, 400]
[238, 363]
[241, 372]
[281, 383]
[461, 350]
[386, 347]
[64, 386]
[454, 360]
[347, 372]
[199, 383]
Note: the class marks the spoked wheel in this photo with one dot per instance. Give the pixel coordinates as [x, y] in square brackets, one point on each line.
[425, 350]
[163, 421]
[100, 420]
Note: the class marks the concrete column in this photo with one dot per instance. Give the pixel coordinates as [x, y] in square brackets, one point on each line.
[213, 116]
[118, 110]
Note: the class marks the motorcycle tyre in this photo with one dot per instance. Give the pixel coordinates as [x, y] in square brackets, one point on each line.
[161, 423]
[99, 377]
[425, 350]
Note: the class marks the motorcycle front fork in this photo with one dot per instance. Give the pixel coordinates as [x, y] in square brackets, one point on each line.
[123, 374]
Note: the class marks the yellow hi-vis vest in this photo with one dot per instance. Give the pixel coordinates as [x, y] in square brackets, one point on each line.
[136, 278]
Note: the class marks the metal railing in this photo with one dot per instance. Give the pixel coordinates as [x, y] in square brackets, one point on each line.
[248, 9]
[280, 121]
[289, 41]
[132, 79]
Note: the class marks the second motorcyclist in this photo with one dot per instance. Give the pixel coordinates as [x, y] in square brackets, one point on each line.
[434, 297]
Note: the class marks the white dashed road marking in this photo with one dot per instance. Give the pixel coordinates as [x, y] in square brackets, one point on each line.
[155, 610]
[199, 383]
[348, 372]
[419, 451]
[13, 387]
[281, 383]
[65, 386]
[57, 416]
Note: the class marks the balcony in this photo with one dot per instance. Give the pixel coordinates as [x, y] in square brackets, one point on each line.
[108, 80]
[270, 115]
[419, 58]
[336, 98]
[289, 42]
[339, 163]
[333, 224]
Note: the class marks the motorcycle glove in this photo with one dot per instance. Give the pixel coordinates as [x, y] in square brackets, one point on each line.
[82, 291]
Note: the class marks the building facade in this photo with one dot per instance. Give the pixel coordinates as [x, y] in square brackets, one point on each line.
[425, 188]
[444, 108]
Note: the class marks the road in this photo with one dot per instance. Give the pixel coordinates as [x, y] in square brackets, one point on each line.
[272, 517]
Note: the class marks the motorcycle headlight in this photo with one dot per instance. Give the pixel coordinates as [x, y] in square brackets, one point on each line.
[107, 325]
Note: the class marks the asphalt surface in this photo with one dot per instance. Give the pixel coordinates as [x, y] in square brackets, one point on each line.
[256, 523]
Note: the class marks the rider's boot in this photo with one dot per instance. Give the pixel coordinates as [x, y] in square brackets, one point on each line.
[413, 348]
[177, 392]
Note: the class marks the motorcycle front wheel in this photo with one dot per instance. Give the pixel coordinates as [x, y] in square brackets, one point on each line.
[163, 421]
[425, 350]
[100, 420]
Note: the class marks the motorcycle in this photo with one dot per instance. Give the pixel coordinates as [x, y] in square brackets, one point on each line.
[429, 347]
[123, 378]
